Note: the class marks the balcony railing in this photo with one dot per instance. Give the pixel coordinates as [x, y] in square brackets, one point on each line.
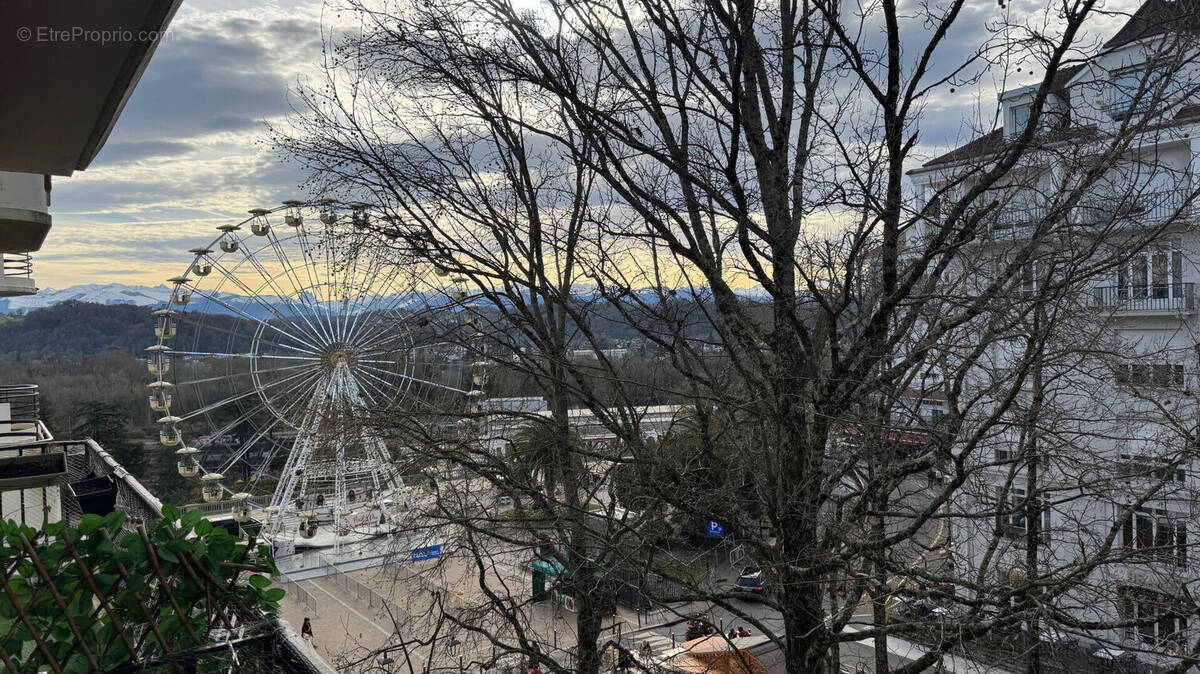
[1145, 207]
[1122, 110]
[17, 264]
[1152, 298]
[1016, 221]
[1141, 207]
[17, 276]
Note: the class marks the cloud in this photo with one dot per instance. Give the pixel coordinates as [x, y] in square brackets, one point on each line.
[186, 154]
[123, 152]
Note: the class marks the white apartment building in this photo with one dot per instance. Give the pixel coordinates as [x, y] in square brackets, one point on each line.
[1117, 471]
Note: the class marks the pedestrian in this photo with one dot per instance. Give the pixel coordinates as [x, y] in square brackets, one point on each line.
[742, 631]
[306, 632]
[646, 650]
[533, 667]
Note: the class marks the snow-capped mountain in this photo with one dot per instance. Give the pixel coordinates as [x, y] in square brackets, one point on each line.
[109, 293]
[146, 296]
[149, 296]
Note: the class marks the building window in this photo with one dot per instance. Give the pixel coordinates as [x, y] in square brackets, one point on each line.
[1019, 114]
[1155, 618]
[1153, 274]
[1019, 507]
[1135, 465]
[1028, 280]
[1160, 375]
[1136, 90]
[1156, 533]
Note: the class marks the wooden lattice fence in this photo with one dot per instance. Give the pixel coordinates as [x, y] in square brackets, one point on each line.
[108, 593]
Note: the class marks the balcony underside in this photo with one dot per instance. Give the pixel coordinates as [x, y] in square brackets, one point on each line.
[17, 287]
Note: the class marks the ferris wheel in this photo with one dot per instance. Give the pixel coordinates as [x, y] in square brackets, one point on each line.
[282, 343]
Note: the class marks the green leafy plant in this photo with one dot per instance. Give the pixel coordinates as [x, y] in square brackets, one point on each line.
[99, 595]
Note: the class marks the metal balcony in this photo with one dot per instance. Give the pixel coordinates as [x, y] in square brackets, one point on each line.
[1137, 208]
[17, 279]
[1164, 298]
[1144, 207]
[1016, 222]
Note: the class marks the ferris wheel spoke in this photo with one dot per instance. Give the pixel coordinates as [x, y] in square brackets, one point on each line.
[362, 388]
[201, 325]
[380, 334]
[349, 274]
[263, 323]
[231, 275]
[385, 385]
[263, 470]
[367, 293]
[269, 278]
[309, 313]
[252, 356]
[416, 379]
[241, 419]
[302, 290]
[376, 296]
[304, 391]
[391, 305]
[306, 251]
[297, 392]
[320, 310]
[248, 445]
[407, 350]
[245, 394]
[243, 373]
[384, 295]
[382, 330]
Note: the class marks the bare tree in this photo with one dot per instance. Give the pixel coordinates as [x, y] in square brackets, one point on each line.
[445, 157]
[671, 155]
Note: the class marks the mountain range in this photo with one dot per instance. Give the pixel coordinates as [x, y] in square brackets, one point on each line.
[153, 296]
[109, 293]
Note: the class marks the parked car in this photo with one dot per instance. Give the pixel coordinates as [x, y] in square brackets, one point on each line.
[751, 584]
[910, 607]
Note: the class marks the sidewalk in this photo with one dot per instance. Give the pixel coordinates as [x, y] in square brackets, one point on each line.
[341, 630]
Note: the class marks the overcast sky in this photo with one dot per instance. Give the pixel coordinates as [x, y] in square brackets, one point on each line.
[188, 155]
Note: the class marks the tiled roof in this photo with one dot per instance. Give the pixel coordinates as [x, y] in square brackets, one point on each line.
[1155, 17]
[981, 146]
[994, 140]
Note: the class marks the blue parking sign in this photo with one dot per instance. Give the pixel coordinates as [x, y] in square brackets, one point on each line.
[715, 530]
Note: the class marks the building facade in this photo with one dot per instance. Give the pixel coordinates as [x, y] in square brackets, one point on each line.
[1093, 236]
